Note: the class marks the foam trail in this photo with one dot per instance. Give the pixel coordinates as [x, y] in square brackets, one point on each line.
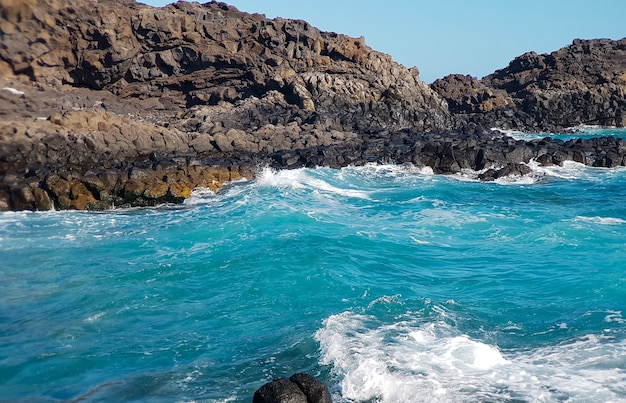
[601, 220]
[405, 361]
[390, 170]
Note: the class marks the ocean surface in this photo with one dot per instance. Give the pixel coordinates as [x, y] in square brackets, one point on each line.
[388, 283]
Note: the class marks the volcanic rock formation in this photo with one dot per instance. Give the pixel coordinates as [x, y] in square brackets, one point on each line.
[113, 103]
[96, 89]
[581, 84]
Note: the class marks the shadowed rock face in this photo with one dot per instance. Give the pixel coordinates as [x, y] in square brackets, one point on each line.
[114, 103]
[582, 84]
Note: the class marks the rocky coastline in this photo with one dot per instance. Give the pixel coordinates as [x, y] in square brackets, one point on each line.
[117, 104]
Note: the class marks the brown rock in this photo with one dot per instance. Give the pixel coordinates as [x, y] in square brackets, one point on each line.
[179, 191]
[82, 201]
[42, 200]
[115, 99]
[5, 201]
[22, 198]
[466, 94]
[156, 191]
[64, 202]
[575, 85]
[133, 189]
[57, 186]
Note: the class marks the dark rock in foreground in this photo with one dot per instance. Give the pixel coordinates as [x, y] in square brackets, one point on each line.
[299, 388]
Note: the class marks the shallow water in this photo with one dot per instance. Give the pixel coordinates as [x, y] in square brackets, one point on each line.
[388, 283]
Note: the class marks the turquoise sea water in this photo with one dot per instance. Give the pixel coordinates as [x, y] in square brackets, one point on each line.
[386, 282]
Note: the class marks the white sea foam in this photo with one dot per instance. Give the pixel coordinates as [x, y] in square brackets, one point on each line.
[588, 128]
[469, 175]
[391, 170]
[95, 317]
[198, 195]
[201, 194]
[448, 218]
[601, 220]
[508, 132]
[281, 178]
[410, 360]
[569, 169]
[302, 179]
[420, 241]
[614, 316]
[519, 135]
[387, 299]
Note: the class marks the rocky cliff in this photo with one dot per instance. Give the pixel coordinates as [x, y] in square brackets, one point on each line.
[581, 84]
[96, 87]
[114, 103]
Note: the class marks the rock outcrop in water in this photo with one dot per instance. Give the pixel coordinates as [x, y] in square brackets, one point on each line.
[299, 388]
[581, 84]
[115, 103]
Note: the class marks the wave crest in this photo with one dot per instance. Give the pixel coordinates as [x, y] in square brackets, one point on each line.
[433, 361]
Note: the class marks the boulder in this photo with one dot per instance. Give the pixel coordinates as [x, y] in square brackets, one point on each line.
[299, 388]
[314, 390]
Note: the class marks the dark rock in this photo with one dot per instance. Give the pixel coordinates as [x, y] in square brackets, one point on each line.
[314, 390]
[579, 84]
[507, 170]
[22, 197]
[280, 390]
[299, 388]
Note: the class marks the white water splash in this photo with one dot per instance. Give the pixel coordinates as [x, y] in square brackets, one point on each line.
[408, 361]
[301, 179]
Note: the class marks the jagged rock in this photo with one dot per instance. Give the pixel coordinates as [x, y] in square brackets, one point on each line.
[466, 94]
[510, 169]
[581, 84]
[115, 103]
[187, 54]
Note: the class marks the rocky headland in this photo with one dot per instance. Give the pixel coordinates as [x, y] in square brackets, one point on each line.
[113, 103]
[581, 84]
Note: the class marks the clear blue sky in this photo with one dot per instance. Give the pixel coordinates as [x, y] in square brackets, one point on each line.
[441, 37]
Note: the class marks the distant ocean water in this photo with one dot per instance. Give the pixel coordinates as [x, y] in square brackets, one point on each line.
[388, 283]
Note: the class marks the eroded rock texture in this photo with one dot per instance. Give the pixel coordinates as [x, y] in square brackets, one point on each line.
[581, 84]
[114, 103]
[97, 88]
